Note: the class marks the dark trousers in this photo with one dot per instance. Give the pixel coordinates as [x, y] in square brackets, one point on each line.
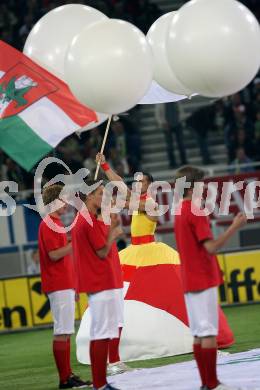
[204, 148]
[169, 138]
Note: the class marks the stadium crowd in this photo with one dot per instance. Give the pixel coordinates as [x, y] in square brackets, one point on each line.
[236, 117]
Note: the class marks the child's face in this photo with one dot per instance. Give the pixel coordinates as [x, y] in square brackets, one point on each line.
[115, 218]
[145, 184]
[63, 209]
[97, 196]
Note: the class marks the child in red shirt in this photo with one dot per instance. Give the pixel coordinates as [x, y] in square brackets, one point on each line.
[59, 283]
[201, 275]
[100, 276]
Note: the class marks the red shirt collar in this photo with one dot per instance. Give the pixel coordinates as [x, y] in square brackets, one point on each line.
[143, 196]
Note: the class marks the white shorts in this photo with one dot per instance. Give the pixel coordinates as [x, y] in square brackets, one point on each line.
[202, 308]
[63, 311]
[106, 314]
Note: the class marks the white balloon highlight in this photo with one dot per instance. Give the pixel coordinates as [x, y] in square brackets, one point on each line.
[49, 39]
[109, 66]
[162, 72]
[214, 46]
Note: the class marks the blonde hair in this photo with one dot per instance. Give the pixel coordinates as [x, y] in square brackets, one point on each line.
[192, 175]
[51, 193]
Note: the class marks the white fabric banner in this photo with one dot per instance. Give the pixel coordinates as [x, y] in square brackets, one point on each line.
[157, 94]
[240, 370]
[148, 333]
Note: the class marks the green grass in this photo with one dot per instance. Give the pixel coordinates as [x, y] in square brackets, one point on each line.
[26, 361]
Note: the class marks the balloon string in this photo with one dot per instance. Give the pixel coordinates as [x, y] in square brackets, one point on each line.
[103, 145]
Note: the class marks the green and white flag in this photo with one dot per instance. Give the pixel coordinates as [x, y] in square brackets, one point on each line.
[37, 110]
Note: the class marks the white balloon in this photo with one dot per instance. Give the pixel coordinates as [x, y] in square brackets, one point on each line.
[214, 46]
[101, 118]
[109, 66]
[162, 72]
[49, 39]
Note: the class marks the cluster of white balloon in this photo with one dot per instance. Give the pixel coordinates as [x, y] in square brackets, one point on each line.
[107, 63]
[208, 47]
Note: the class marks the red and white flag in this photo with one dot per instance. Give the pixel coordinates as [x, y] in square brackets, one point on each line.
[37, 110]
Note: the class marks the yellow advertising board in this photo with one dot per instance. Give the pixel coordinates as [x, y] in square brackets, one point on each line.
[222, 293]
[16, 309]
[2, 305]
[242, 270]
[40, 306]
[23, 305]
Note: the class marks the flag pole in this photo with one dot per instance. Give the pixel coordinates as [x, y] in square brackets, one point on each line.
[103, 145]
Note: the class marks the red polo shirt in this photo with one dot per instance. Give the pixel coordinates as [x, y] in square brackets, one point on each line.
[200, 270]
[55, 275]
[95, 274]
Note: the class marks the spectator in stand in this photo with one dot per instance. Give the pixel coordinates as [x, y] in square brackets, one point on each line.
[238, 119]
[168, 119]
[14, 173]
[8, 19]
[52, 170]
[243, 120]
[73, 164]
[102, 6]
[132, 9]
[256, 104]
[120, 170]
[118, 142]
[71, 146]
[241, 158]
[133, 141]
[257, 136]
[25, 29]
[70, 152]
[257, 125]
[6, 35]
[201, 121]
[220, 116]
[90, 162]
[113, 158]
[243, 140]
[119, 11]
[256, 86]
[95, 140]
[147, 15]
[34, 267]
[3, 167]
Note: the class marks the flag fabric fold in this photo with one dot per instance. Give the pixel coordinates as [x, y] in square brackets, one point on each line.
[37, 110]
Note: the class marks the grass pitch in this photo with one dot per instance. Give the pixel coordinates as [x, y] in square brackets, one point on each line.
[26, 361]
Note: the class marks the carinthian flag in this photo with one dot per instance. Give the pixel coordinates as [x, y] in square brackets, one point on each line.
[37, 110]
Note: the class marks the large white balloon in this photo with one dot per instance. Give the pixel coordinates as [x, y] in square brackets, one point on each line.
[109, 66]
[162, 72]
[49, 39]
[214, 46]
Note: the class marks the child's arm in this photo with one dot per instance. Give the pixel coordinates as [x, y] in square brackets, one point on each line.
[99, 243]
[59, 253]
[111, 175]
[212, 246]
[114, 233]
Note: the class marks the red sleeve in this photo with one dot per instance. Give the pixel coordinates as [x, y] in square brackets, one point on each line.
[95, 236]
[52, 240]
[202, 228]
